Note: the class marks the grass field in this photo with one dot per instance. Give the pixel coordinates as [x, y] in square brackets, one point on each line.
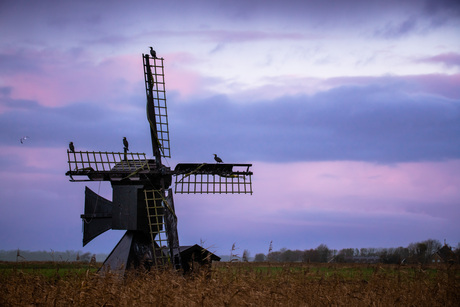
[46, 269]
[232, 284]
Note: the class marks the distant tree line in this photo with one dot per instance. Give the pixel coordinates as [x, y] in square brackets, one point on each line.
[419, 252]
[68, 256]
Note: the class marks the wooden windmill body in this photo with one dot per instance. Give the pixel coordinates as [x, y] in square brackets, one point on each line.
[142, 200]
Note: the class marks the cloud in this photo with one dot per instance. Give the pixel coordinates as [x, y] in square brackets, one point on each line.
[12, 61]
[355, 161]
[343, 204]
[56, 78]
[7, 103]
[441, 12]
[232, 36]
[417, 17]
[88, 125]
[385, 120]
[398, 30]
[444, 85]
[110, 24]
[450, 59]
[297, 205]
[379, 123]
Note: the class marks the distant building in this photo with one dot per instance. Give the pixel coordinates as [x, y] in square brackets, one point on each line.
[444, 255]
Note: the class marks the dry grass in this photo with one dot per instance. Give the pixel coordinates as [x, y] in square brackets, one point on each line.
[240, 284]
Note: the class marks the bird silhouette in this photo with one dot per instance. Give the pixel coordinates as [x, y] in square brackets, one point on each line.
[71, 147]
[218, 160]
[125, 143]
[153, 53]
[23, 139]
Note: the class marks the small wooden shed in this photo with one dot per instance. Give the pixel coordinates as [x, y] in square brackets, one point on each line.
[194, 255]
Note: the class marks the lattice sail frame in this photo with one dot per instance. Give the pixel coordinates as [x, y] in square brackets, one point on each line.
[193, 178]
[155, 85]
[104, 165]
[157, 207]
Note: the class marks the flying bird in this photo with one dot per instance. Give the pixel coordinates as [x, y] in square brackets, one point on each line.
[23, 139]
[153, 53]
[125, 143]
[218, 160]
[71, 147]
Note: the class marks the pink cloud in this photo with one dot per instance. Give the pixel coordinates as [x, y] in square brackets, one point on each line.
[450, 59]
[331, 193]
[69, 80]
[58, 78]
[289, 200]
[186, 82]
[36, 158]
[331, 185]
[438, 84]
[342, 204]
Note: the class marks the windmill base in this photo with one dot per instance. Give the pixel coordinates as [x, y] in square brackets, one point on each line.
[133, 252]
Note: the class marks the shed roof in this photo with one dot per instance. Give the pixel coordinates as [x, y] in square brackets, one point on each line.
[189, 249]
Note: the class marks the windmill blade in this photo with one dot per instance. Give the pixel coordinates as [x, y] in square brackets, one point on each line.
[162, 223]
[103, 165]
[222, 178]
[157, 112]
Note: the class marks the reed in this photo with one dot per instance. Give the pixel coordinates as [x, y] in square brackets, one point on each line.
[239, 284]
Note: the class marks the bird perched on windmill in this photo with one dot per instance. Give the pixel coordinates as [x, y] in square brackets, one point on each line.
[218, 160]
[71, 147]
[153, 53]
[125, 143]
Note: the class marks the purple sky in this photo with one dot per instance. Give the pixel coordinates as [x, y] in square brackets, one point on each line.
[348, 110]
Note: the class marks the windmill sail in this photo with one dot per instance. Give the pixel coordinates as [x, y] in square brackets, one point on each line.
[204, 178]
[157, 113]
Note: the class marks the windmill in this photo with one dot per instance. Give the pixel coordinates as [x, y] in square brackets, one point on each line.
[142, 200]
